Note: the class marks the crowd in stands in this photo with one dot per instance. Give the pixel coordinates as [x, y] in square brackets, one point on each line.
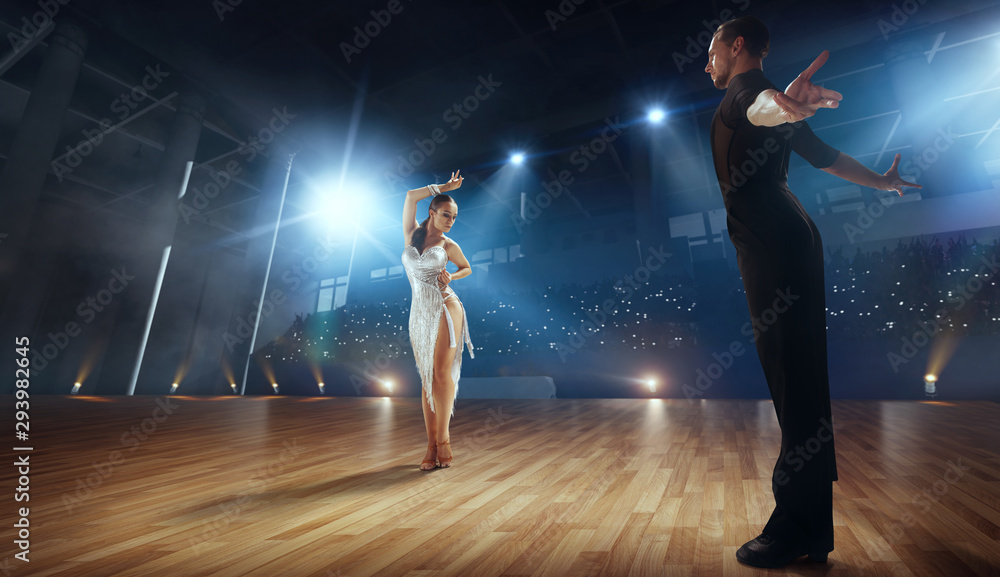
[950, 285]
[921, 284]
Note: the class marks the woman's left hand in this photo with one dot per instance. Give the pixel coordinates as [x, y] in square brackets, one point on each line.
[444, 277]
[455, 182]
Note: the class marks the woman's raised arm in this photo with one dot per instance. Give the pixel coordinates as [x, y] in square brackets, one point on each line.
[410, 223]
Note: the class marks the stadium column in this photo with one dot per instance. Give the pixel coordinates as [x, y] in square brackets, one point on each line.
[25, 265]
[127, 347]
[182, 301]
[206, 375]
[247, 289]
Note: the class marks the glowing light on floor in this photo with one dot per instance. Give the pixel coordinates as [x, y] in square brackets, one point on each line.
[942, 349]
[930, 384]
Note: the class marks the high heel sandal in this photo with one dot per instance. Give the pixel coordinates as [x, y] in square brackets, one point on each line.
[444, 464]
[431, 462]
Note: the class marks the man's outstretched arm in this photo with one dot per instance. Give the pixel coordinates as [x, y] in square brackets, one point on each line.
[849, 169]
[799, 101]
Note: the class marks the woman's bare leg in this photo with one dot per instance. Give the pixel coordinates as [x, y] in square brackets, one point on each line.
[443, 387]
[430, 424]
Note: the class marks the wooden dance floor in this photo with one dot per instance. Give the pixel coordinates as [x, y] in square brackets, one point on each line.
[329, 487]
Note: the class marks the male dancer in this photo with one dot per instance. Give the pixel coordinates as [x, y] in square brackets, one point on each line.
[780, 256]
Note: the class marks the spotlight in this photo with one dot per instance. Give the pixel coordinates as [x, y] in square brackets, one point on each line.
[651, 383]
[656, 115]
[173, 388]
[76, 389]
[517, 158]
[233, 385]
[322, 389]
[275, 386]
[388, 385]
[930, 386]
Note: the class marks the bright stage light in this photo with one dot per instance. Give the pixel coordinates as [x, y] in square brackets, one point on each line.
[388, 385]
[517, 158]
[651, 383]
[930, 384]
[233, 385]
[275, 386]
[173, 388]
[656, 115]
[332, 199]
[76, 389]
[322, 388]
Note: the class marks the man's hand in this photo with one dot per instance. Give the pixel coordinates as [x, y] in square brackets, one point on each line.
[892, 181]
[801, 99]
[851, 170]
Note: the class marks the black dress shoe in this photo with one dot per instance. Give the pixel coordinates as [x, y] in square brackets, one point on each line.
[770, 554]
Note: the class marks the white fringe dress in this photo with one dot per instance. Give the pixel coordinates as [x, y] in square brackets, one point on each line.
[425, 314]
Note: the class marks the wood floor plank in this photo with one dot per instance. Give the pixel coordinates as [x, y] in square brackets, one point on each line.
[329, 487]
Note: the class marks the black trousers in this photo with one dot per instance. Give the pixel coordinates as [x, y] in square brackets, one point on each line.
[780, 256]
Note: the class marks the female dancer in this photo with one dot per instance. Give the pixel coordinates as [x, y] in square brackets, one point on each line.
[435, 311]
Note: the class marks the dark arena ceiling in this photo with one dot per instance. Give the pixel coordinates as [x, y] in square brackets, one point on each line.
[357, 86]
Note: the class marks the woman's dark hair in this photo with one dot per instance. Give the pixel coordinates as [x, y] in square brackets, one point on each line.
[419, 235]
[756, 38]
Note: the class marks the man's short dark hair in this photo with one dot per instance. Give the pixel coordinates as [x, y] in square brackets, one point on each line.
[756, 38]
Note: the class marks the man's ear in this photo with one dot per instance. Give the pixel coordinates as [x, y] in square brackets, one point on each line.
[737, 46]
